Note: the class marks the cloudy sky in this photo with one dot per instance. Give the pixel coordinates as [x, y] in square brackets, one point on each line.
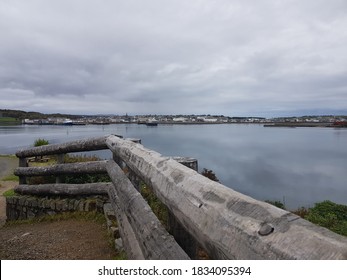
[231, 57]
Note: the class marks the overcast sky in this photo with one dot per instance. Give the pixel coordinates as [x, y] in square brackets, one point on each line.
[231, 57]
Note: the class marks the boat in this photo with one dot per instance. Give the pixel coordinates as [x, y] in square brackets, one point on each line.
[67, 122]
[151, 122]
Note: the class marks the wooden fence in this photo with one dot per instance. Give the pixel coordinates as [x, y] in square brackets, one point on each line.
[225, 223]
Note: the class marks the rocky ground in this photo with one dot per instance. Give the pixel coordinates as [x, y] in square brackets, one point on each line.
[71, 239]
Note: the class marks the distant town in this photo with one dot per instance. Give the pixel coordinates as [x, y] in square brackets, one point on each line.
[34, 118]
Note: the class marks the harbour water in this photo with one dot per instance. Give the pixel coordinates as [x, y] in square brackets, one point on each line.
[297, 166]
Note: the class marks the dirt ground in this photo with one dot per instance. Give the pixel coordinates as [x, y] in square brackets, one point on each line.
[59, 240]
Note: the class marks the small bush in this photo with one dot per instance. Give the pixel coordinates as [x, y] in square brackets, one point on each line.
[302, 212]
[209, 174]
[330, 215]
[40, 142]
[276, 203]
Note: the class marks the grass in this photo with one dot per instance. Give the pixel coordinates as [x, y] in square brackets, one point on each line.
[326, 214]
[8, 120]
[121, 256]
[9, 193]
[329, 215]
[158, 208]
[11, 178]
[8, 156]
[80, 216]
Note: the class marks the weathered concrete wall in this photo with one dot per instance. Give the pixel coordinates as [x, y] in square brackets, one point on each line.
[28, 207]
[228, 224]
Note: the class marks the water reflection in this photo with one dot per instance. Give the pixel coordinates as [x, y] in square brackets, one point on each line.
[301, 166]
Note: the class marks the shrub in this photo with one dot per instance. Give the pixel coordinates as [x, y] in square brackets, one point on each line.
[330, 215]
[40, 142]
[276, 203]
[302, 212]
[209, 174]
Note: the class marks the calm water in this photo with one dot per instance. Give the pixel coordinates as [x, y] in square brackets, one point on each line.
[299, 166]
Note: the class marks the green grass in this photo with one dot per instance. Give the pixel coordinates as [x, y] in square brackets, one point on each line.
[8, 156]
[326, 214]
[158, 208]
[9, 193]
[329, 215]
[11, 177]
[121, 256]
[8, 120]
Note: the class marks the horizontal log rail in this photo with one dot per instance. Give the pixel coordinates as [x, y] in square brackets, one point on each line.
[227, 224]
[91, 167]
[90, 144]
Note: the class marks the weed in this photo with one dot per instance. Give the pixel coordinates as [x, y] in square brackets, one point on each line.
[158, 208]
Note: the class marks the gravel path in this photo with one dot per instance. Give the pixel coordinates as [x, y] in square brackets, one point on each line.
[59, 240]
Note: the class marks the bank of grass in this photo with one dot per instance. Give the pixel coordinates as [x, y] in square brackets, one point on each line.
[326, 214]
[9, 121]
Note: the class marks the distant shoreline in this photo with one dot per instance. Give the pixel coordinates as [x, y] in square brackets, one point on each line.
[265, 124]
[303, 124]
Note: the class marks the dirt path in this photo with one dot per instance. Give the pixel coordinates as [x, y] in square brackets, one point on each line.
[60, 240]
[69, 240]
[7, 166]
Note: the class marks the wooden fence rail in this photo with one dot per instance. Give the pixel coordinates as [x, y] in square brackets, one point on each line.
[227, 224]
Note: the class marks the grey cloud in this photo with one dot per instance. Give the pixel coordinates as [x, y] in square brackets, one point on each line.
[225, 57]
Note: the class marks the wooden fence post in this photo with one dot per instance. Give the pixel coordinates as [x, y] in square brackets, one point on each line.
[60, 160]
[22, 163]
[182, 237]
